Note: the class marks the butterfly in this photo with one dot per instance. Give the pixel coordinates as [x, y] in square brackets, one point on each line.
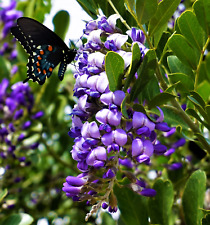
[45, 48]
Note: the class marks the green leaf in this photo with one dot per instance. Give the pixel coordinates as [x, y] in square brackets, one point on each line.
[185, 81]
[198, 102]
[204, 90]
[139, 108]
[183, 50]
[18, 219]
[107, 219]
[61, 17]
[90, 7]
[3, 194]
[173, 118]
[171, 87]
[5, 67]
[207, 60]
[193, 197]
[194, 114]
[145, 10]
[149, 91]
[165, 10]
[176, 66]
[207, 109]
[202, 11]
[160, 99]
[190, 28]
[145, 73]
[160, 205]
[199, 99]
[114, 66]
[130, 6]
[136, 61]
[133, 207]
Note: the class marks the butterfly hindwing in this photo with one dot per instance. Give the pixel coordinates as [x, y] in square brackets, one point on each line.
[46, 50]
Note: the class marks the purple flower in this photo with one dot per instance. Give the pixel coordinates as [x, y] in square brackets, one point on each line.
[148, 192]
[175, 166]
[16, 104]
[106, 139]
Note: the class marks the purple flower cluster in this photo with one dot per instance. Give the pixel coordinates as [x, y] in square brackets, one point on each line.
[8, 16]
[16, 119]
[105, 140]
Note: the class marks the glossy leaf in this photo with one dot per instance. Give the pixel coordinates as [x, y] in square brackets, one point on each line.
[130, 6]
[193, 197]
[89, 6]
[114, 66]
[62, 17]
[3, 193]
[199, 99]
[145, 10]
[149, 91]
[160, 99]
[194, 114]
[207, 109]
[136, 61]
[176, 66]
[133, 207]
[202, 11]
[173, 118]
[184, 80]
[145, 74]
[204, 90]
[160, 205]
[207, 60]
[183, 50]
[190, 28]
[164, 12]
[18, 219]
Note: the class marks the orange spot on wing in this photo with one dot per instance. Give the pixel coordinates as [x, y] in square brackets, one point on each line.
[44, 72]
[37, 63]
[39, 70]
[50, 69]
[39, 57]
[50, 48]
[41, 52]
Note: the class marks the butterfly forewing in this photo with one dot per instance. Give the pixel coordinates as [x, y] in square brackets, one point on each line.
[46, 50]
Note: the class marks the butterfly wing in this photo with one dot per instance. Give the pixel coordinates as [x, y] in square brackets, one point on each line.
[46, 49]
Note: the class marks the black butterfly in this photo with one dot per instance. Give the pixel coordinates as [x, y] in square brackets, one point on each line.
[45, 48]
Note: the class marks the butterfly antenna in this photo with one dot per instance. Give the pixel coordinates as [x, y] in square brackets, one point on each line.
[27, 79]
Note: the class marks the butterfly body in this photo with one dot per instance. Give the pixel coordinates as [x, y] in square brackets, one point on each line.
[46, 50]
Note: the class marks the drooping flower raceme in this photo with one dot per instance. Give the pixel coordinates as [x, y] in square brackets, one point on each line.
[17, 117]
[8, 16]
[104, 139]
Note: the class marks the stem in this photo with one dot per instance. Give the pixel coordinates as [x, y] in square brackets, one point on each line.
[200, 61]
[121, 18]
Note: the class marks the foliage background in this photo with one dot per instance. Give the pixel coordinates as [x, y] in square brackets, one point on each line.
[181, 196]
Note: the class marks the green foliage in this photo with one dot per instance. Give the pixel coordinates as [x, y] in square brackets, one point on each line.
[114, 67]
[145, 73]
[164, 12]
[62, 17]
[133, 207]
[160, 206]
[18, 219]
[175, 71]
[193, 196]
